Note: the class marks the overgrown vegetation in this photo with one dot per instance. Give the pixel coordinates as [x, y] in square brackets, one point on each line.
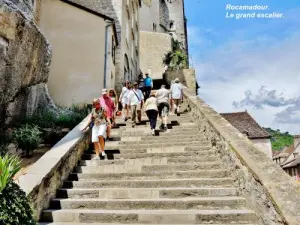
[27, 138]
[176, 58]
[48, 119]
[14, 206]
[280, 140]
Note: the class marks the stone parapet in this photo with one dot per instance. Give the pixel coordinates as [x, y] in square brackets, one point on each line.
[270, 192]
[47, 174]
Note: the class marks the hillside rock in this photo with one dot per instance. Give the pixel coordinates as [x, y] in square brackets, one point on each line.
[25, 57]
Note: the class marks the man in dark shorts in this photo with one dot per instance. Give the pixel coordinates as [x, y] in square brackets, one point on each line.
[163, 98]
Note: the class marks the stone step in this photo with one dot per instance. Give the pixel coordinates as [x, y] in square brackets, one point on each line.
[145, 193]
[182, 167]
[190, 182]
[137, 168]
[71, 223]
[174, 136]
[150, 216]
[167, 140]
[155, 144]
[146, 132]
[226, 202]
[148, 176]
[128, 155]
[150, 160]
[158, 148]
[142, 153]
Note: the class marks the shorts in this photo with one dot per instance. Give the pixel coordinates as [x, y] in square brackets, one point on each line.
[163, 109]
[98, 130]
[177, 101]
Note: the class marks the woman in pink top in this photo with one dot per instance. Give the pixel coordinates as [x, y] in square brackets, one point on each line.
[109, 107]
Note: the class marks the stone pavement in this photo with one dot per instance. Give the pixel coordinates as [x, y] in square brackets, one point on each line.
[173, 178]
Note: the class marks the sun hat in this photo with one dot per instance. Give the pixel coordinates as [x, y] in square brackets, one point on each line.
[104, 91]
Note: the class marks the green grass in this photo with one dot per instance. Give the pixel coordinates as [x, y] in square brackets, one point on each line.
[279, 139]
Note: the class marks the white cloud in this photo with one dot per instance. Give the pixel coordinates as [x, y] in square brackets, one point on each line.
[240, 65]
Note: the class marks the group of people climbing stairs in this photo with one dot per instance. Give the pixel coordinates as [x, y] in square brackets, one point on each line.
[173, 177]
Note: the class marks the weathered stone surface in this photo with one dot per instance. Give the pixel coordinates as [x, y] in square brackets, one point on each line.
[46, 175]
[25, 57]
[269, 190]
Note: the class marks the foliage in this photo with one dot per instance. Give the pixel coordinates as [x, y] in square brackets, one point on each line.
[176, 58]
[14, 206]
[9, 167]
[4, 142]
[27, 137]
[280, 140]
[68, 118]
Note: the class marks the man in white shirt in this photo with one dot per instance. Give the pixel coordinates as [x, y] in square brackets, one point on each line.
[124, 100]
[177, 95]
[135, 101]
[163, 98]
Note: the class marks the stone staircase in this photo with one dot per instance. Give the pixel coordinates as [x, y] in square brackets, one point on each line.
[174, 178]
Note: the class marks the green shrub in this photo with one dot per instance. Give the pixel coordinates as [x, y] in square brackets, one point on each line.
[27, 138]
[14, 206]
[9, 167]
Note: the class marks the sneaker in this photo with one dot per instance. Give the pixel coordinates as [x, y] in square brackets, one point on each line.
[103, 154]
[133, 125]
[153, 132]
[125, 119]
[96, 158]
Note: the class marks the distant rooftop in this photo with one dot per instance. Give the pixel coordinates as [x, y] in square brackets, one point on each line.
[246, 124]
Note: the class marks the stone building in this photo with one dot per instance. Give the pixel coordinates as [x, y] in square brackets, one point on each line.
[160, 21]
[289, 158]
[251, 129]
[84, 43]
[126, 16]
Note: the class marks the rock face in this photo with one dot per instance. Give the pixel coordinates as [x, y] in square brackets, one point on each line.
[25, 56]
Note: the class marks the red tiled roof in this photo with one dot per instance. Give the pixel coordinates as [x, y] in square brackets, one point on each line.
[246, 124]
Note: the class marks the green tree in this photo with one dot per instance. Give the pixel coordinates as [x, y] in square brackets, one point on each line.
[176, 58]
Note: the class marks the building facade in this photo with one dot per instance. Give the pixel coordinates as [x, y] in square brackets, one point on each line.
[161, 20]
[126, 16]
[289, 159]
[84, 45]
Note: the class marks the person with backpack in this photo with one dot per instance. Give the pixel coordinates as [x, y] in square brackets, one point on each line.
[163, 99]
[135, 101]
[148, 85]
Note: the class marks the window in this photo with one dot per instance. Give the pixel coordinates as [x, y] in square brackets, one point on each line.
[113, 50]
[154, 26]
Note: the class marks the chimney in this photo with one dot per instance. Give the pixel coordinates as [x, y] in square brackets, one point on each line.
[296, 141]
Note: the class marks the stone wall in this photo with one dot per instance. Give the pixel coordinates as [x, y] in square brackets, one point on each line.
[46, 175]
[25, 57]
[270, 192]
[153, 47]
[186, 76]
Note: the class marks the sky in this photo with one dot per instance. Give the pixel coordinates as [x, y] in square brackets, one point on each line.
[245, 62]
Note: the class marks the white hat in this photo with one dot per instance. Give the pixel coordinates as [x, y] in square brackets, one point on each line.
[177, 79]
[104, 91]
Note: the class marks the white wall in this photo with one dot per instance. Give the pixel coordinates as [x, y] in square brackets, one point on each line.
[264, 145]
[78, 42]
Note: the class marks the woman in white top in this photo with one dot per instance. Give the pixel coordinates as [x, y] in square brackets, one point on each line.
[124, 100]
[152, 111]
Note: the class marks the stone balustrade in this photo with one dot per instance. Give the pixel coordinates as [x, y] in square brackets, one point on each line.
[270, 192]
[47, 174]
